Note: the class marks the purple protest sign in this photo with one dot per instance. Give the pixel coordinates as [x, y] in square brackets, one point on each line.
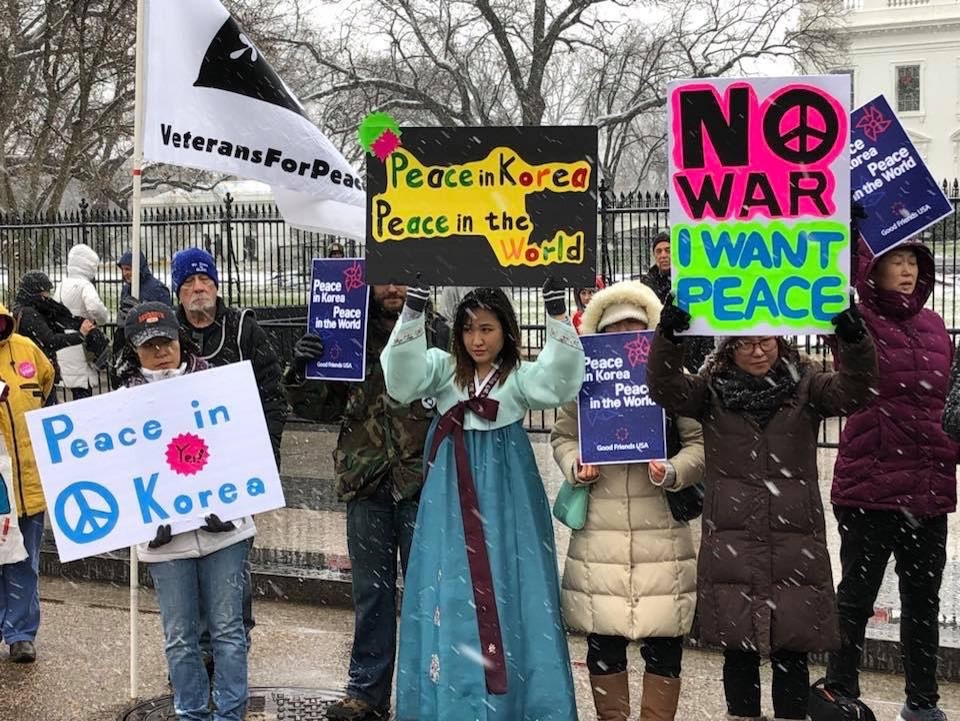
[888, 178]
[619, 422]
[338, 314]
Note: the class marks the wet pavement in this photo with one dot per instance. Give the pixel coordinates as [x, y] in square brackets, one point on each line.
[82, 671]
[307, 455]
[82, 674]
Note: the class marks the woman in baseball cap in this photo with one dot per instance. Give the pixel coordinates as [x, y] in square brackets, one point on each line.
[210, 558]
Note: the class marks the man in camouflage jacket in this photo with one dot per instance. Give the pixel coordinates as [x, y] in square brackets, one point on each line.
[379, 469]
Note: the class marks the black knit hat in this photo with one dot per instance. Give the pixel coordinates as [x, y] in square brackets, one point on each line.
[32, 285]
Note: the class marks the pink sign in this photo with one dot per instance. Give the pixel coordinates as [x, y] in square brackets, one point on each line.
[760, 203]
[741, 156]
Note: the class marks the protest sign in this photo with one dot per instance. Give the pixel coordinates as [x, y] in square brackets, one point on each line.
[760, 203]
[338, 314]
[213, 101]
[889, 179]
[116, 466]
[618, 421]
[484, 206]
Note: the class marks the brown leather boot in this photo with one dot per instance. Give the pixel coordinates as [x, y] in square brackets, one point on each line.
[660, 698]
[611, 696]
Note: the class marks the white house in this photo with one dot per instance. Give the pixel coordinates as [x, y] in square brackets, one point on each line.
[909, 51]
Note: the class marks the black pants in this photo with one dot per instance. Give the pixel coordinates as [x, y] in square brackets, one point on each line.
[608, 654]
[919, 545]
[379, 529]
[791, 683]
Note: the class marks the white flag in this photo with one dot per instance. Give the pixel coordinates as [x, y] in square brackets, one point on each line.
[213, 102]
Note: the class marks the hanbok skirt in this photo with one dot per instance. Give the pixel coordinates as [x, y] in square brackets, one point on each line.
[440, 672]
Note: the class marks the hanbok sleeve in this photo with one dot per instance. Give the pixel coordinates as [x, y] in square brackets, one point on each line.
[410, 370]
[555, 377]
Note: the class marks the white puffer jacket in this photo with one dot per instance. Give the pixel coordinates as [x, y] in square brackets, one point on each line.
[78, 294]
[197, 544]
[631, 571]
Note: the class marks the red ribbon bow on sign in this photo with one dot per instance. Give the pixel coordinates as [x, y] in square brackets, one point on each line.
[488, 622]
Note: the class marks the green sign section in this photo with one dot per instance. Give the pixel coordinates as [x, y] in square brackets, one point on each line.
[737, 275]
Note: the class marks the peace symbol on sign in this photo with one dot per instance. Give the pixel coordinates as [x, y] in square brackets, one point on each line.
[812, 143]
[94, 515]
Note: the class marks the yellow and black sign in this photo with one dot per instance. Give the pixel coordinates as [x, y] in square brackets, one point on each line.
[484, 206]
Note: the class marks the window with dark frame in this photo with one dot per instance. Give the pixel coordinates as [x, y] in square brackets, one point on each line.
[908, 88]
[852, 73]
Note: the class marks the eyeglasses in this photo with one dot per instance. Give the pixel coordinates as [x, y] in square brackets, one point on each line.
[747, 346]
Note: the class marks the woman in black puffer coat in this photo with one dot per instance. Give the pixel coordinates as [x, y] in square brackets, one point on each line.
[45, 321]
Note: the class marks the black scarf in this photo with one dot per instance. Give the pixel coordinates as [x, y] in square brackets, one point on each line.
[757, 397]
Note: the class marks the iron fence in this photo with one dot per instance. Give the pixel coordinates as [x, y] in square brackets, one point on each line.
[264, 264]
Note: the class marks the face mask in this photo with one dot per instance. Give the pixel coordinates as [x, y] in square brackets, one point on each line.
[158, 375]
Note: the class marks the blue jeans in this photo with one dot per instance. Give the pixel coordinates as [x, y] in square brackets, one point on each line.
[19, 586]
[377, 528]
[214, 584]
[248, 620]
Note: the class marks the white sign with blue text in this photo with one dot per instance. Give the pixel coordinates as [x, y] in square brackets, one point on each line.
[116, 466]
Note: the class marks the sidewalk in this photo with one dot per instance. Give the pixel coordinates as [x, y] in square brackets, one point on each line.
[82, 672]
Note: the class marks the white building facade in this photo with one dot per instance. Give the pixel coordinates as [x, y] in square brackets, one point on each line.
[909, 51]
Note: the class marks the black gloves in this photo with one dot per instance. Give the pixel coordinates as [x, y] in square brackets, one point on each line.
[417, 296]
[673, 320]
[126, 305]
[850, 326]
[307, 349]
[162, 538]
[554, 297]
[215, 525]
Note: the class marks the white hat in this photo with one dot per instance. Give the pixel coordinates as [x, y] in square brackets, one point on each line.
[621, 311]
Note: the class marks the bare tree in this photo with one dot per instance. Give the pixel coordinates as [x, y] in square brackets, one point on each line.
[460, 62]
[66, 74]
[66, 98]
[490, 62]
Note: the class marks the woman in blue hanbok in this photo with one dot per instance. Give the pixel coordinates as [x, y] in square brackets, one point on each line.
[480, 632]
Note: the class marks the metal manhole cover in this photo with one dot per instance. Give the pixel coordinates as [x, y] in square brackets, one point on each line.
[266, 704]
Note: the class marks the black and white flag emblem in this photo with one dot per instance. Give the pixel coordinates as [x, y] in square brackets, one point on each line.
[233, 63]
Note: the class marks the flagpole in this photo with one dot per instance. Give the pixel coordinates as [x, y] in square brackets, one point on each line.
[135, 292]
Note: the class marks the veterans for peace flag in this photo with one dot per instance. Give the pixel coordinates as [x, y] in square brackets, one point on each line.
[212, 101]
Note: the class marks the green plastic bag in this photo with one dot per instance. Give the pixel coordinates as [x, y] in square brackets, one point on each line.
[570, 508]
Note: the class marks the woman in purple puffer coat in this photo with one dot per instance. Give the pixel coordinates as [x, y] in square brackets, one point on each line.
[894, 481]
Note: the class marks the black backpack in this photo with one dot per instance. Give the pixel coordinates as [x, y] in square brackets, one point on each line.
[825, 705]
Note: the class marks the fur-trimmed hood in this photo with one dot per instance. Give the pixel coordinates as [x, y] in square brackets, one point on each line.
[625, 293]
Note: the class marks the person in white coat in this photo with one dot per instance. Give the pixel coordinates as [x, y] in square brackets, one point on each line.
[79, 295]
[630, 572]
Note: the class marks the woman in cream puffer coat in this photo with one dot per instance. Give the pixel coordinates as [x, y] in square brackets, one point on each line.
[630, 573]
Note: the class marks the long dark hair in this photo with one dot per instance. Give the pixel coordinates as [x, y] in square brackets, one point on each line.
[127, 363]
[497, 302]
